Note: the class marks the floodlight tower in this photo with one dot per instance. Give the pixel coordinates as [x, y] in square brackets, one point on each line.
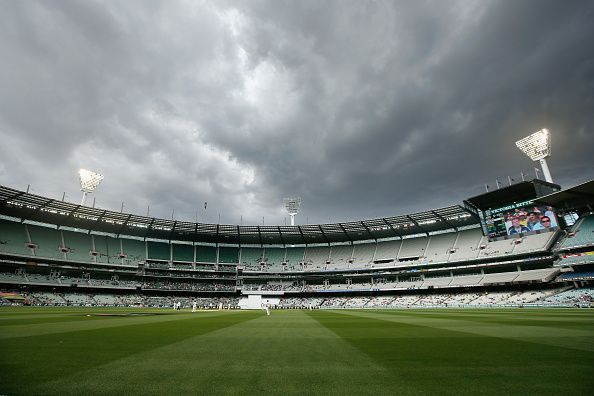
[538, 147]
[88, 182]
[292, 205]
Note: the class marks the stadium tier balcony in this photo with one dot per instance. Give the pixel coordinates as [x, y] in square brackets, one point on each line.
[467, 280]
[541, 275]
[499, 278]
[437, 282]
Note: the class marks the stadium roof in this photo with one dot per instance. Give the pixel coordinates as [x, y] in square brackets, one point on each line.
[576, 197]
[32, 207]
[518, 192]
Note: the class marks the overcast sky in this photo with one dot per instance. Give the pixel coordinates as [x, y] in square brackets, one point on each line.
[364, 109]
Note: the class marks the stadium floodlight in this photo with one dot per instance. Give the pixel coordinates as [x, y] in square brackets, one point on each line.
[538, 147]
[88, 182]
[292, 205]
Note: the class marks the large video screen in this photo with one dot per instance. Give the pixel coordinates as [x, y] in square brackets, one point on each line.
[519, 218]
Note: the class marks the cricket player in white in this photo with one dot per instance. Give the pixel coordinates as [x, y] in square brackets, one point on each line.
[194, 306]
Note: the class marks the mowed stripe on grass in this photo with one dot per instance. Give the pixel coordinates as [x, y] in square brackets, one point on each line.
[33, 360]
[286, 353]
[579, 336]
[449, 356]
[76, 319]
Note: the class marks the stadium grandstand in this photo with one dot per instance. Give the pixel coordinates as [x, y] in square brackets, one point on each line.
[59, 253]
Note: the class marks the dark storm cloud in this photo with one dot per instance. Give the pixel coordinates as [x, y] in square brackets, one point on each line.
[363, 108]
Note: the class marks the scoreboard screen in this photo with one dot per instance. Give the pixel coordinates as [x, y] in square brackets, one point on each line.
[512, 211]
[519, 218]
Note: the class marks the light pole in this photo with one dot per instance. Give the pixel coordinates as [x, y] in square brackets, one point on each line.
[292, 205]
[88, 182]
[538, 147]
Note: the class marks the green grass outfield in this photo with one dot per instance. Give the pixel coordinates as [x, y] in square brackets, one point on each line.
[61, 351]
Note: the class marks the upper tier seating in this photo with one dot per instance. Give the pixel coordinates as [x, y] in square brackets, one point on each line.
[79, 245]
[581, 234]
[158, 251]
[440, 247]
[206, 254]
[183, 253]
[496, 248]
[534, 243]
[48, 241]
[14, 238]
[413, 247]
[363, 254]
[109, 249]
[274, 258]
[252, 257]
[316, 257]
[73, 245]
[387, 250]
[295, 255]
[340, 256]
[466, 246]
[228, 254]
[134, 250]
